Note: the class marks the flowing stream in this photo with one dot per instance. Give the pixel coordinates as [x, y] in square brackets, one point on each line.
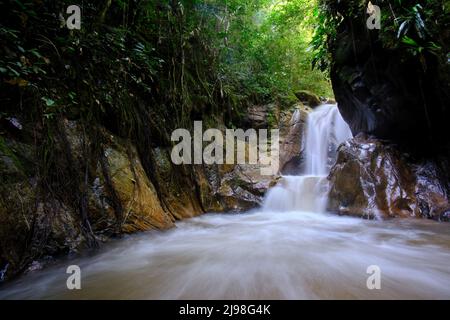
[289, 249]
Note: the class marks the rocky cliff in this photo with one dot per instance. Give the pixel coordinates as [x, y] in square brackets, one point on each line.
[383, 87]
[372, 179]
[392, 88]
[119, 190]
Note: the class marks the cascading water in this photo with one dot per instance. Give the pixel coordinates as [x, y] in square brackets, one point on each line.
[265, 255]
[326, 130]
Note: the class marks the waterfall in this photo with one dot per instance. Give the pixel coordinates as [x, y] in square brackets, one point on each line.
[272, 255]
[326, 130]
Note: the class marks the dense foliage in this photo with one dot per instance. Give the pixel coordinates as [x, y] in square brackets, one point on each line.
[192, 57]
[137, 69]
[140, 69]
[417, 29]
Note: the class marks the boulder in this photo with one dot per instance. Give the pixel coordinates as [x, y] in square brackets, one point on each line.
[371, 179]
[308, 98]
[244, 187]
[432, 192]
[292, 142]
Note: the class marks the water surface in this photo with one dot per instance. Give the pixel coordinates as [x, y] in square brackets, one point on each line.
[260, 255]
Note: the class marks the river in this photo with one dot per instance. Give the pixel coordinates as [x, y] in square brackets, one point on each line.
[288, 249]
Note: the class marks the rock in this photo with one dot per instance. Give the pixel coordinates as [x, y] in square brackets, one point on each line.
[257, 117]
[431, 190]
[308, 98]
[371, 180]
[292, 130]
[386, 93]
[374, 180]
[141, 206]
[176, 185]
[208, 179]
[244, 187]
[263, 116]
[122, 199]
[35, 223]
[19, 225]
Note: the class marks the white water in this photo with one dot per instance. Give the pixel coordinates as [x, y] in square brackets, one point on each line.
[289, 250]
[260, 255]
[326, 130]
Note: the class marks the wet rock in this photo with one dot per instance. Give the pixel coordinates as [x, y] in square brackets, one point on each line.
[374, 180]
[244, 187]
[384, 92]
[371, 180]
[432, 191]
[292, 142]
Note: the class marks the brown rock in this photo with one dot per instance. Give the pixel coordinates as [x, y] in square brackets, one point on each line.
[292, 130]
[244, 187]
[176, 185]
[371, 180]
[257, 116]
[141, 207]
[432, 191]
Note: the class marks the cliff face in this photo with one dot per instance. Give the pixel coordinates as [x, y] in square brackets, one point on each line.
[85, 128]
[395, 98]
[384, 90]
[96, 197]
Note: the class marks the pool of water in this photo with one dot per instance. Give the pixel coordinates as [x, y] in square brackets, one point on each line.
[259, 255]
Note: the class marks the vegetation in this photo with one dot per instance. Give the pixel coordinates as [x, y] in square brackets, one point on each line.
[140, 69]
[145, 67]
[190, 56]
[417, 29]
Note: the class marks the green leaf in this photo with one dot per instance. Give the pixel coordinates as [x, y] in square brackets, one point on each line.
[409, 41]
[48, 102]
